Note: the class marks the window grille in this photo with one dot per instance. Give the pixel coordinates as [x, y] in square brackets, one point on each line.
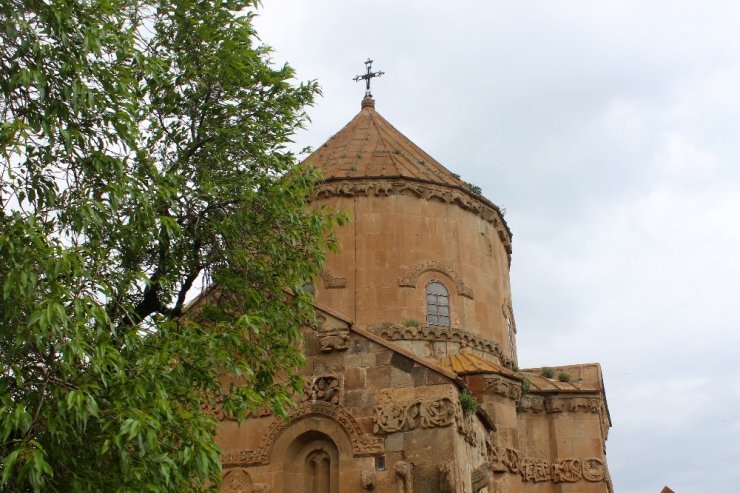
[438, 304]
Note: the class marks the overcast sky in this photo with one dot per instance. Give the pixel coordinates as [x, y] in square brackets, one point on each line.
[610, 132]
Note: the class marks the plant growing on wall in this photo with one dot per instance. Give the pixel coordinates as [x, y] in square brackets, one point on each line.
[468, 402]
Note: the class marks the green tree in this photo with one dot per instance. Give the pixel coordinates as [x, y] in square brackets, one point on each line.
[143, 149]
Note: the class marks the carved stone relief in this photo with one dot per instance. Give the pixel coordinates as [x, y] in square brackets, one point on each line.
[405, 416]
[325, 388]
[584, 404]
[463, 199]
[533, 404]
[409, 280]
[236, 481]
[363, 445]
[333, 340]
[479, 478]
[559, 470]
[550, 405]
[505, 388]
[405, 476]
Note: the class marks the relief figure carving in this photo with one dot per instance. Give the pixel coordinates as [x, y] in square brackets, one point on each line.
[333, 340]
[324, 388]
[395, 416]
[404, 473]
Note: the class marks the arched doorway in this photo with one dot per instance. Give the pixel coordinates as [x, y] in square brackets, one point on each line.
[312, 464]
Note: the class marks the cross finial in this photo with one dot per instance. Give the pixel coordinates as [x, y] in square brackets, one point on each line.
[367, 76]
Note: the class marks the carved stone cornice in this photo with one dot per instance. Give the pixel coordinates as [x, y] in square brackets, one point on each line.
[409, 280]
[427, 191]
[398, 332]
[363, 445]
[546, 404]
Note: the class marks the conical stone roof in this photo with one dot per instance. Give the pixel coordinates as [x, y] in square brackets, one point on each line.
[370, 147]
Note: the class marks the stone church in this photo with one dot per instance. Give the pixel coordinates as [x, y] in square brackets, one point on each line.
[412, 383]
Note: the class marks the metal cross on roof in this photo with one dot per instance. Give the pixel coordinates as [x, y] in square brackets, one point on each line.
[366, 77]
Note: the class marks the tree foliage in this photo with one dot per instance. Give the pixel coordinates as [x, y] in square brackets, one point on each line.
[143, 149]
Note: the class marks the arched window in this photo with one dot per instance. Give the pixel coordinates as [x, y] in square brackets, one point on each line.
[438, 304]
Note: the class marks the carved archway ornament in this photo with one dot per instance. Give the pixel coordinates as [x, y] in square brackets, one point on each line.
[410, 279]
[363, 445]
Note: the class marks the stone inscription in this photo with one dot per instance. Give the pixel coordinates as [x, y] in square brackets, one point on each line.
[537, 470]
[405, 416]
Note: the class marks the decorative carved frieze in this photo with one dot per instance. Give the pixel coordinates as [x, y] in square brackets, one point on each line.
[363, 445]
[505, 459]
[438, 413]
[505, 388]
[536, 470]
[463, 199]
[396, 416]
[327, 388]
[405, 416]
[550, 405]
[395, 332]
[532, 404]
[566, 470]
[589, 405]
[559, 470]
[409, 280]
[333, 340]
